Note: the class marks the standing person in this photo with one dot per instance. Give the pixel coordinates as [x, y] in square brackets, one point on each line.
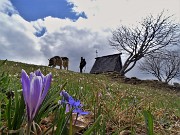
[82, 64]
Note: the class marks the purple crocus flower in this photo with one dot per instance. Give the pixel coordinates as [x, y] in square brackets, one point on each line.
[35, 88]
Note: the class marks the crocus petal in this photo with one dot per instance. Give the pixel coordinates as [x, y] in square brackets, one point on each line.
[46, 85]
[36, 90]
[32, 75]
[25, 84]
[26, 88]
[38, 73]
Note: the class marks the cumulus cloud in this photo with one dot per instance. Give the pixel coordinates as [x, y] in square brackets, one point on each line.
[7, 7]
[17, 40]
[63, 37]
[110, 13]
[74, 43]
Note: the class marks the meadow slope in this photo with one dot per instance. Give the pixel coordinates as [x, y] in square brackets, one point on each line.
[120, 104]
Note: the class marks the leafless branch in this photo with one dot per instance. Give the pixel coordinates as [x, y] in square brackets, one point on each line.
[152, 35]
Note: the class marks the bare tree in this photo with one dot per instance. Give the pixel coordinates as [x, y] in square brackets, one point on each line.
[164, 66]
[150, 36]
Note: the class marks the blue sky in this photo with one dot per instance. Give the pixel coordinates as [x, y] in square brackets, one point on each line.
[32, 31]
[32, 10]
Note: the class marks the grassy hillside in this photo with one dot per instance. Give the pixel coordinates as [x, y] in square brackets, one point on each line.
[121, 105]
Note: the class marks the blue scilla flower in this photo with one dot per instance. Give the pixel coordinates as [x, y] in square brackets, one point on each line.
[71, 103]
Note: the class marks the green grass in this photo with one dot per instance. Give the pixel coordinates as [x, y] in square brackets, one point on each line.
[121, 105]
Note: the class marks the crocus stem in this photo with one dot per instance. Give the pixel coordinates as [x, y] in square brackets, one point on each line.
[28, 132]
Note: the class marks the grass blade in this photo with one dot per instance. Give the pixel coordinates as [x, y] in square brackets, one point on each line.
[94, 126]
[149, 122]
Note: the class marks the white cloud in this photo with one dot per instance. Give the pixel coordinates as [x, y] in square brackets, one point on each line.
[110, 13]
[7, 7]
[74, 43]
[17, 40]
